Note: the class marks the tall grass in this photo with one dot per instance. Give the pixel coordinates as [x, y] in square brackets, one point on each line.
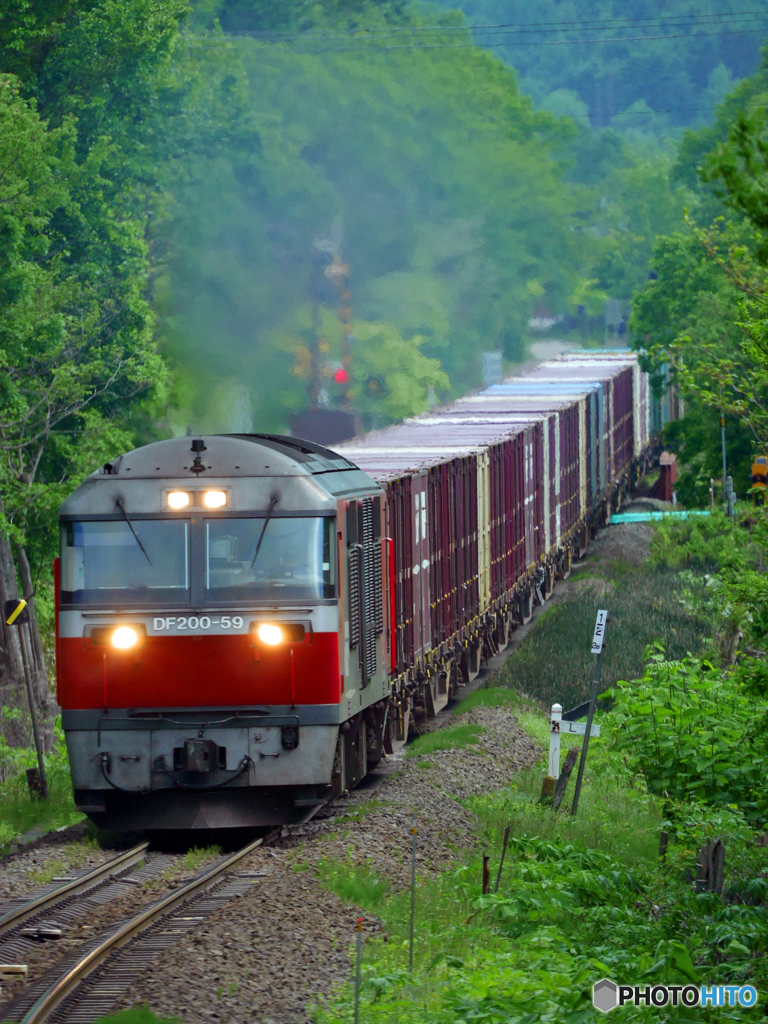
[19, 810]
[445, 739]
[554, 663]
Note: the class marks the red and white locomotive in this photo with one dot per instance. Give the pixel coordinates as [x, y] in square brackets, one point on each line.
[247, 623]
[208, 672]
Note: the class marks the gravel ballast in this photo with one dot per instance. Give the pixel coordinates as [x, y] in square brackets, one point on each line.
[269, 955]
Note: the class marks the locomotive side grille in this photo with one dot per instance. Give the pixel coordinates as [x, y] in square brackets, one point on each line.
[368, 649]
[369, 654]
[355, 594]
[367, 521]
[366, 611]
[374, 611]
[378, 604]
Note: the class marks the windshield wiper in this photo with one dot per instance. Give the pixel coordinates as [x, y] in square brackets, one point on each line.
[121, 506]
[273, 500]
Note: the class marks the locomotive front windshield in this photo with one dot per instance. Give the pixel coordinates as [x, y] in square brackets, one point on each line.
[295, 559]
[167, 561]
[103, 562]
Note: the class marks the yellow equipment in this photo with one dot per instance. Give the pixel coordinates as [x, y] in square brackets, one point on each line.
[759, 478]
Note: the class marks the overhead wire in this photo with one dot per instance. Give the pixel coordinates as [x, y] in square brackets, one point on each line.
[603, 24]
[471, 44]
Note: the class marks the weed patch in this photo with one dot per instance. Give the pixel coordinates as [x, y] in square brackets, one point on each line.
[354, 883]
[445, 739]
[362, 810]
[579, 899]
[199, 855]
[490, 697]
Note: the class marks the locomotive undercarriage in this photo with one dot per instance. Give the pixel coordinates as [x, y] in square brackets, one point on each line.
[192, 770]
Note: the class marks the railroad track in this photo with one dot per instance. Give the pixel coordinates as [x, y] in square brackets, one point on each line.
[85, 985]
[26, 911]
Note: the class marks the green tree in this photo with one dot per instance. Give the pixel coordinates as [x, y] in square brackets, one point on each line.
[703, 315]
[78, 141]
[430, 173]
[695, 65]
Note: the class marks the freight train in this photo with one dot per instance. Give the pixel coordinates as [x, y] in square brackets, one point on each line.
[247, 623]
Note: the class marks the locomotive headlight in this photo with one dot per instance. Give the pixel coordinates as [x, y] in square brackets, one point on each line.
[215, 499]
[178, 499]
[270, 634]
[124, 638]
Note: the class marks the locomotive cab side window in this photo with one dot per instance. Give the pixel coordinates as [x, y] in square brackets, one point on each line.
[102, 562]
[292, 558]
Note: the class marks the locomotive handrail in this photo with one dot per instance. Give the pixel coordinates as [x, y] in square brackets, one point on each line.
[55, 994]
[124, 860]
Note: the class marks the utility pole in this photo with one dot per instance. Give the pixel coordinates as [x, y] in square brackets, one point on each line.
[722, 441]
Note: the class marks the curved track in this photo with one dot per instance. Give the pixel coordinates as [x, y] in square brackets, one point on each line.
[27, 910]
[77, 992]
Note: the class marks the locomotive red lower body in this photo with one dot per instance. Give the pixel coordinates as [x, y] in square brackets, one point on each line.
[200, 724]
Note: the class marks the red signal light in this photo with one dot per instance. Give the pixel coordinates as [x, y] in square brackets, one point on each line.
[341, 376]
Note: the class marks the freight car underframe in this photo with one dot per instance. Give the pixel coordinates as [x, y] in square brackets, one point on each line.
[419, 693]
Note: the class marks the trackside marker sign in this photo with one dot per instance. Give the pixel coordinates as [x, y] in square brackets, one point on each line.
[599, 636]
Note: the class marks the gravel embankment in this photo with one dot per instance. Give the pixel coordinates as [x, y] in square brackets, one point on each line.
[268, 955]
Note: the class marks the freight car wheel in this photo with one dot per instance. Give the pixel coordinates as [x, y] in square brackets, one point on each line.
[565, 563]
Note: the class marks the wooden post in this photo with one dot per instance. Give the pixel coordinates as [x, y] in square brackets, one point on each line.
[503, 854]
[710, 866]
[414, 833]
[663, 843]
[562, 782]
[486, 874]
[358, 959]
[16, 614]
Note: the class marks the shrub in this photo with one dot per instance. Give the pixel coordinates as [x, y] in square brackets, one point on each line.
[691, 729]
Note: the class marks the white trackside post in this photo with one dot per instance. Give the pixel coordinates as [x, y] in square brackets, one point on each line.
[554, 740]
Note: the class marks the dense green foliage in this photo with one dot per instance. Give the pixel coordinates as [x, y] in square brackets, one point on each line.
[580, 899]
[701, 319]
[431, 178]
[77, 150]
[682, 76]
[691, 730]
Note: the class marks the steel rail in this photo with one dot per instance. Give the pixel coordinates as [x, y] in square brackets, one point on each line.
[100, 873]
[58, 991]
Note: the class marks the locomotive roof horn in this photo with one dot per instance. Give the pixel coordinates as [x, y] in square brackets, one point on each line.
[198, 446]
